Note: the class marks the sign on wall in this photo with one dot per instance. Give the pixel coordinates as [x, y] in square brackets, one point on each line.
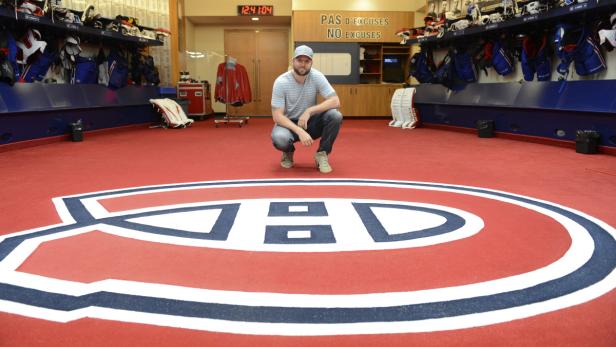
[349, 26]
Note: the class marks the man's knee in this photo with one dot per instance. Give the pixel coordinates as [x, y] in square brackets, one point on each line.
[281, 140]
[333, 115]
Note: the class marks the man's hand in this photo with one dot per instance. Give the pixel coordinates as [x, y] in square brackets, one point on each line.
[303, 120]
[305, 138]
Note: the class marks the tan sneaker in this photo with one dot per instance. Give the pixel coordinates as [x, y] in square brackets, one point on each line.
[287, 160]
[320, 159]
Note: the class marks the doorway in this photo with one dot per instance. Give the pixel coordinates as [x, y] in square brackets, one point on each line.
[265, 55]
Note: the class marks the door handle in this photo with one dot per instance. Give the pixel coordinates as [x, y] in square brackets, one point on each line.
[258, 79]
[254, 80]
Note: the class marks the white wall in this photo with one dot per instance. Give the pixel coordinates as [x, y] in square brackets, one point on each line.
[358, 5]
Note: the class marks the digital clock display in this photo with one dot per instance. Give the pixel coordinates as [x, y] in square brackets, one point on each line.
[255, 10]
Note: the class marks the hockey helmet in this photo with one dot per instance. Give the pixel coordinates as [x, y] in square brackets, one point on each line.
[30, 7]
[459, 25]
[496, 17]
[91, 17]
[65, 15]
[473, 13]
[149, 34]
[113, 26]
[509, 8]
[535, 7]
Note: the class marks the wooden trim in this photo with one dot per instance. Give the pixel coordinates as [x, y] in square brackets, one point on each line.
[175, 46]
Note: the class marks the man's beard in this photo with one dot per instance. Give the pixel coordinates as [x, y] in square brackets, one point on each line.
[301, 74]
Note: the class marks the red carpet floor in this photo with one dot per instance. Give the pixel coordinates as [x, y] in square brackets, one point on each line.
[366, 149]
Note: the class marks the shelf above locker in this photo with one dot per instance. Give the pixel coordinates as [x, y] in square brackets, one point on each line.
[590, 7]
[9, 15]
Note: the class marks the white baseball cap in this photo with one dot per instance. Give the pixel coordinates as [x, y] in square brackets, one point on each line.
[303, 50]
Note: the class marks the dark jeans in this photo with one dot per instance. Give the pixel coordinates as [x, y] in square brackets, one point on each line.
[324, 125]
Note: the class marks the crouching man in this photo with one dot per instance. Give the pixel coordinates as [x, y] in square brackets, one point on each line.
[298, 117]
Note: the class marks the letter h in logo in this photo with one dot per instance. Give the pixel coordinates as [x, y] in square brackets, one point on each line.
[298, 234]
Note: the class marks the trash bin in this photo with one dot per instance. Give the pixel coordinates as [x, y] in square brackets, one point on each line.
[77, 131]
[586, 141]
[485, 128]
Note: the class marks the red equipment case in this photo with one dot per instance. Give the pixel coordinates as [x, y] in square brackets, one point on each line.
[199, 96]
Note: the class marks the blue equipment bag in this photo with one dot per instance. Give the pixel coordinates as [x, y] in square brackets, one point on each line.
[37, 70]
[118, 70]
[464, 67]
[534, 59]
[422, 67]
[501, 59]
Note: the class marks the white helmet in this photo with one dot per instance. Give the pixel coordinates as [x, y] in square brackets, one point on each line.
[535, 7]
[459, 25]
[509, 8]
[496, 17]
[149, 34]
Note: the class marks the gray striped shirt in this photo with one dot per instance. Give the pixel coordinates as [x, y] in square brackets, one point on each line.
[294, 98]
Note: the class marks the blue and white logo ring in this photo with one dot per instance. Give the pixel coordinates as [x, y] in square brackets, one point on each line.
[585, 272]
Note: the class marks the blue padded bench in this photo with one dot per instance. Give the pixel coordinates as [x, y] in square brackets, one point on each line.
[553, 110]
[31, 111]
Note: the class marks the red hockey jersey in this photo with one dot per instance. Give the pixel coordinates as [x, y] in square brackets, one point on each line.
[232, 84]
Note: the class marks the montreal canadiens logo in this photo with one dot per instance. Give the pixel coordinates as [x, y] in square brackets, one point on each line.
[307, 257]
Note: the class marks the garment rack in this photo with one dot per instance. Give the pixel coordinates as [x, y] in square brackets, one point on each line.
[229, 119]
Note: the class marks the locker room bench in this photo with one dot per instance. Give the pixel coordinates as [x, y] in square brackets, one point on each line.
[551, 110]
[31, 111]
